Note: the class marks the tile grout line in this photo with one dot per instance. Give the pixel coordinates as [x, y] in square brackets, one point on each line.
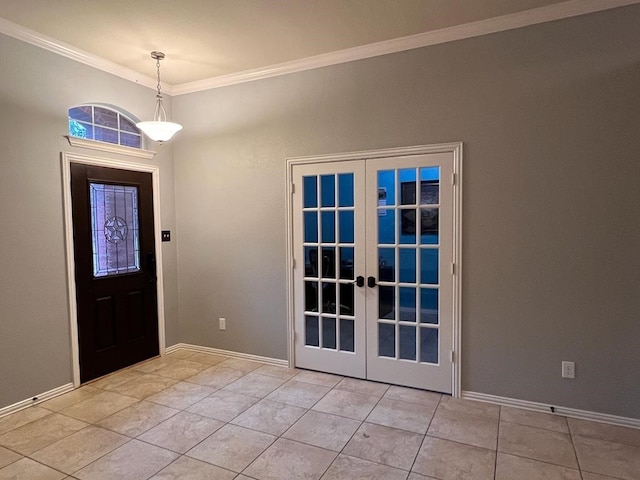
[575, 452]
[184, 409]
[179, 410]
[546, 462]
[425, 434]
[308, 409]
[341, 452]
[226, 423]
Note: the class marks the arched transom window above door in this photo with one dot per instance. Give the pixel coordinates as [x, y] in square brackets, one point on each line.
[105, 124]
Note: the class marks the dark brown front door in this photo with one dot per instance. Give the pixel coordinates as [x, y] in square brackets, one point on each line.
[114, 251]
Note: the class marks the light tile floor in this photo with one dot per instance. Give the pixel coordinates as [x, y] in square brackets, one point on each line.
[193, 416]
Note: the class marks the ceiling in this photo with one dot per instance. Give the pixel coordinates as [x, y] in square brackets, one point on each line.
[205, 39]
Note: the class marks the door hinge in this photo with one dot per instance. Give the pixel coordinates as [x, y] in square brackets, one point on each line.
[453, 179]
[293, 188]
[293, 263]
[453, 268]
[453, 357]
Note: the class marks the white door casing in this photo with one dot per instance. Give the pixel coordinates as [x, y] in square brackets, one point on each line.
[66, 159]
[441, 374]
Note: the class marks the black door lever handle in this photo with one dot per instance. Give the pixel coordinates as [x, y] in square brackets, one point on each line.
[359, 281]
[371, 282]
[151, 265]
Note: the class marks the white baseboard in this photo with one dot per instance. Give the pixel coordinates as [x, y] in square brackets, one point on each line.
[546, 408]
[245, 356]
[35, 400]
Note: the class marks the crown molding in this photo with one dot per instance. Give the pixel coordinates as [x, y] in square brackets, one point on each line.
[69, 51]
[549, 13]
[558, 11]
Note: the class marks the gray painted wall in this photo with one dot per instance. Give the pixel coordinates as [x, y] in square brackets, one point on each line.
[36, 89]
[549, 120]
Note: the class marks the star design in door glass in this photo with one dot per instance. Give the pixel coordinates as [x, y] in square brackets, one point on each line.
[115, 230]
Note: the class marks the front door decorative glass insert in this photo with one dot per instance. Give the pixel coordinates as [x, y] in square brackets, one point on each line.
[114, 229]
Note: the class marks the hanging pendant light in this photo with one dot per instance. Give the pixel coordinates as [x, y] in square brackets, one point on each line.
[159, 130]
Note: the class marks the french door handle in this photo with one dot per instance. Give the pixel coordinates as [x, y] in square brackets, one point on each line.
[371, 282]
[359, 281]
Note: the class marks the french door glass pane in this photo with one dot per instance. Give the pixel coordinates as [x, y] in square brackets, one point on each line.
[407, 226]
[329, 297]
[310, 185]
[386, 301]
[347, 330]
[346, 299]
[329, 257]
[407, 299]
[328, 227]
[346, 225]
[311, 262]
[430, 186]
[386, 226]
[429, 345]
[386, 264]
[407, 186]
[312, 332]
[429, 226]
[311, 296]
[310, 227]
[387, 340]
[407, 342]
[429, 265]
[429, 305]
[346, 263]
[345, 190]
[328, 190]
[386, 188]
[408, 263]
[329, 333]
[328, 262]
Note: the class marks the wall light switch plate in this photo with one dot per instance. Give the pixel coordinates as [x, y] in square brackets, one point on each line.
[568, 370]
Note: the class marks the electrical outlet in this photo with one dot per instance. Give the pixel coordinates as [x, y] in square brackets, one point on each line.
[568, 370]
[223, 323]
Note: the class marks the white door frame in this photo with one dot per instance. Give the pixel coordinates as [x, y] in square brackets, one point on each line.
[67, 159]
[456, 149]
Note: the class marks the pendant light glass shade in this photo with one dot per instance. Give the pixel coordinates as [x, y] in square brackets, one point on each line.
[159, 129]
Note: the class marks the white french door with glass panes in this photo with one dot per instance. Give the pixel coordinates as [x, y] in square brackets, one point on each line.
[329, 222]
[374, 246]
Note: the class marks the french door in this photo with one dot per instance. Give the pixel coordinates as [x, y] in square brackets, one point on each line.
[374, 285]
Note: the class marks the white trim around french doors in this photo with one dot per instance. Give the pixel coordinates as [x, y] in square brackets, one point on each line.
[67, 158]
[367, 297]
